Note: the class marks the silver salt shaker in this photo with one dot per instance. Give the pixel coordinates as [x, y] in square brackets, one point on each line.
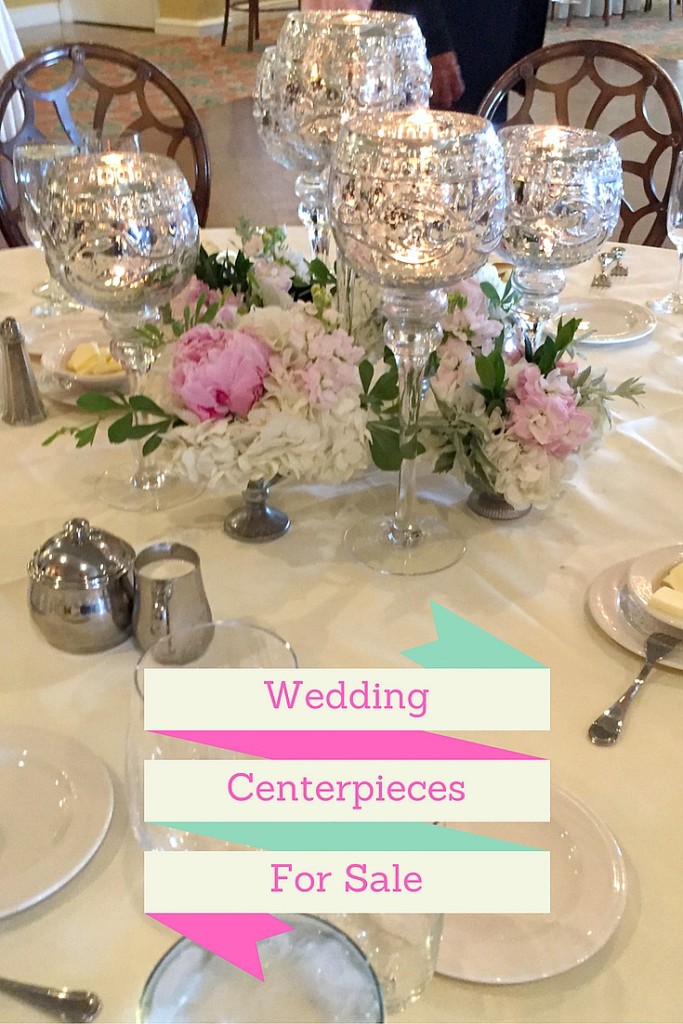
[22, 402]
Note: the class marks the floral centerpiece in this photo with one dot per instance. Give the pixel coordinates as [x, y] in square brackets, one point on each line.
[254, 379]
[511, 420]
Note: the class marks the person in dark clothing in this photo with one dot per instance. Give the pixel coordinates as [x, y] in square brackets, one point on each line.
[471, 42]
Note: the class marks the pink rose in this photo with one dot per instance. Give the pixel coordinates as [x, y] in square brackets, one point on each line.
[219, 372]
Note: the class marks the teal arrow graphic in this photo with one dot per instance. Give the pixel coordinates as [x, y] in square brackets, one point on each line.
[462, 645]
[340, 836]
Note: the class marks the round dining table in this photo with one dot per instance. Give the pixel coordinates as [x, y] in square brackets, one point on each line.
[551, 584]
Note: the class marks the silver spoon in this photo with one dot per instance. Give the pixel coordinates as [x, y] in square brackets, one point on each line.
[67, 1004]
[606, 729]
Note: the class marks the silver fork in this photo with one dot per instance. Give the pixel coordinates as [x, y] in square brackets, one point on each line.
[619, 270]
[65, 1004]
[602, 280]
[606, 729]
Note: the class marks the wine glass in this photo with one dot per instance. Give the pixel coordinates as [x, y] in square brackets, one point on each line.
[31, 162]
[120, 234]
[564, 189]
[673, 302]
[417, 202]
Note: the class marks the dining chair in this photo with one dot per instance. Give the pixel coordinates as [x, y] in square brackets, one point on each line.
[648, 7]
[612, 88]
[252, 8]
[71, 88]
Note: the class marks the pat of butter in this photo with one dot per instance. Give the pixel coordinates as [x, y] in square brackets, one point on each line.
[675, 577]
[105, 364]
[89, 360]
[668, 601]
[83, 357]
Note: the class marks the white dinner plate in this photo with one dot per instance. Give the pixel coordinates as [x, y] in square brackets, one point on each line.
[621, 617]
[647, 574]
[56, 801]
[606, 321]
[587, 899]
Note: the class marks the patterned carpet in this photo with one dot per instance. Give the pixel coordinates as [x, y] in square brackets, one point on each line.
[210, 74]
[651, 33]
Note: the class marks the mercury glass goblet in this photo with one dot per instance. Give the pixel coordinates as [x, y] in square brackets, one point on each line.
[120, 234]
[564, 190]
[417, 202]
[326, 67]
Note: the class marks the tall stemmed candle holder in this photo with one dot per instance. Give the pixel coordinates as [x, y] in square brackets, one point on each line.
[417, 202]
[120, 234]
[564, 190]
[326, 67]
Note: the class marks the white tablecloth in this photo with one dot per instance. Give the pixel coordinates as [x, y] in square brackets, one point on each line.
[525, 582]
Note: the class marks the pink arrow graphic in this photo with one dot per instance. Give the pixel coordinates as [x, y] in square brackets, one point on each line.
[230, 936]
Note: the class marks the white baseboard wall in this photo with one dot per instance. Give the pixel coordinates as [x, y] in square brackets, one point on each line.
[179, 27]
[35, 14]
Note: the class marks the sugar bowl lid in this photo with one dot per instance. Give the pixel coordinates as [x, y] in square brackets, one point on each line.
[81, 556]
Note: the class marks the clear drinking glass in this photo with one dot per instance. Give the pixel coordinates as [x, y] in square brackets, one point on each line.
[31, 162]
[229, 644]
[402, 950]
[416, 203]
[313, 974]
[120, 233]
[105, 140]
[673, 302]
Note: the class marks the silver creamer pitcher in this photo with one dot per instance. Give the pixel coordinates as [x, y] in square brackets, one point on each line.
[169, 593]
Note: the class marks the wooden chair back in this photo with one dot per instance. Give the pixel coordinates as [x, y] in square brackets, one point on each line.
[592, 83]
[69, 88]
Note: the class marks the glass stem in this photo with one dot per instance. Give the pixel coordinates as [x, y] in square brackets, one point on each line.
[346, 278]
[311, 189]
[412, 332]
[679, 276]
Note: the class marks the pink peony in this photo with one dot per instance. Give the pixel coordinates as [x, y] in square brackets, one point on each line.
[218, 372]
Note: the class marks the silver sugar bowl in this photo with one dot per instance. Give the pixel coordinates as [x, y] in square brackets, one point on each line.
[81, 588]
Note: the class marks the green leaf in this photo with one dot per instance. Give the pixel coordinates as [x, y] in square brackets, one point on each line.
[93, 401]
[140, 430]
[151, 444]
[58, 433]
[491, 372]
[384, 447]
[365, 372]
[545, 357]
[445, 462]
[141, 403]
[86, 435]
[120, 429]
[412, 448]
[386, 387]
[490, 292]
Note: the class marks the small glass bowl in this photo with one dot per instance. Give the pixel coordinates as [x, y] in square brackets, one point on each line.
[313, 973]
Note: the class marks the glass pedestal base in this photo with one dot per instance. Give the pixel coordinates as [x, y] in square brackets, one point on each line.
[671, 303]
[148, 491]
[434, 543]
